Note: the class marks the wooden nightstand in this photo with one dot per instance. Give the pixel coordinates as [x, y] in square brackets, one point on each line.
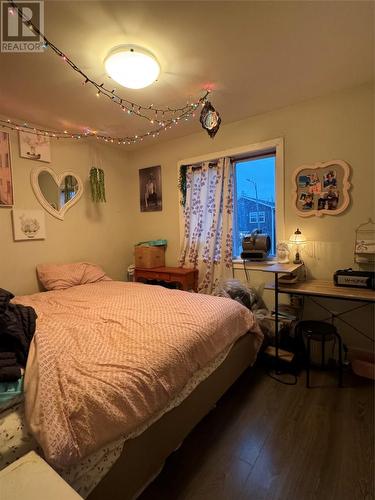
[186, 278]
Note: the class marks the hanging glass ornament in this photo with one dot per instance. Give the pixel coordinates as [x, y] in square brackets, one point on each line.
[210, 119]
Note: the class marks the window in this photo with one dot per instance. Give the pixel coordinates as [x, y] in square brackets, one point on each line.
[253, 217]
[257, 217]
[254, 199]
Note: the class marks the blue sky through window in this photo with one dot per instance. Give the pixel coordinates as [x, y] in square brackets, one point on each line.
[260, 171]
[255, 179]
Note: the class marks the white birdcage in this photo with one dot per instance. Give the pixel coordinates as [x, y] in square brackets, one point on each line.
[364, 246]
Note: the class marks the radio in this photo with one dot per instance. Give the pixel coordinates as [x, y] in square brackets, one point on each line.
[359, 279]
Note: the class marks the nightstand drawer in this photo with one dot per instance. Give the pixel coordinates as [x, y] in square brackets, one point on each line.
[160, 276]
[150, 275]
[187, 279]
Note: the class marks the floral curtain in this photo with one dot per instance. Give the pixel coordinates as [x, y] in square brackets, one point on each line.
[208, 213]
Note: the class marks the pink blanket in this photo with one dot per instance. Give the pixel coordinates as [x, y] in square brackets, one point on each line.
[107, 356]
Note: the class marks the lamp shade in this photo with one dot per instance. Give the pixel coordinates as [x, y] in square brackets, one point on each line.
[297, 238]
[132, 67]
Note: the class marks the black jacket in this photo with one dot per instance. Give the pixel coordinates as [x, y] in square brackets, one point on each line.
[17, 327]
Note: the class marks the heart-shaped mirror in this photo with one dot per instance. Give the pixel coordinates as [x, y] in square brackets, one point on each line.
[56, 192]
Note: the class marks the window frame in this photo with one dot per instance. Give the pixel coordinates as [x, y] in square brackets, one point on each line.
[250, 157]
[272, 146]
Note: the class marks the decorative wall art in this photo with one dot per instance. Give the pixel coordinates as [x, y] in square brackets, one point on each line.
[35, 147]
[6, 180]
[321, 188]
[150, 189]
[57, 193]
[28, 224]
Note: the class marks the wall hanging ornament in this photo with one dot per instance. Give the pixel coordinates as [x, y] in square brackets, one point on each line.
[35, 147]
[57, 193]
[321, 188]
[97, 185]
[28, 225]
[210, 119]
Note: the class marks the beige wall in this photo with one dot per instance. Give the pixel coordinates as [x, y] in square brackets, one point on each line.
[92, 232]
[337, 126]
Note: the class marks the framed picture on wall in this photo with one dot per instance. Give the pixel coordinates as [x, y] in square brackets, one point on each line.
[35, 147]
[321, 188]
[6, 178]
[28, 225]
[150, 189]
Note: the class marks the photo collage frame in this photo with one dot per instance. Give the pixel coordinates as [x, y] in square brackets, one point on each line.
[322, 188]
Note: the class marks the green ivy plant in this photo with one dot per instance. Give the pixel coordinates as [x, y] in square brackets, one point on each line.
[182, 184]
[97, 185]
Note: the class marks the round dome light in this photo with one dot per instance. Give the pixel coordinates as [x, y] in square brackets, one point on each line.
[132, 67]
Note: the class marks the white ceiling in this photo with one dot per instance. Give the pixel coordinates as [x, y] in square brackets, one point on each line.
[258, 55]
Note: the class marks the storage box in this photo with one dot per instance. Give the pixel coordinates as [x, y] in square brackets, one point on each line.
[149, 257]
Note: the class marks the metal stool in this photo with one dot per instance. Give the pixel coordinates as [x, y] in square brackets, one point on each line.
[323, 332]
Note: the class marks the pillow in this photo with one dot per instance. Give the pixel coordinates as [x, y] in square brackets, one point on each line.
[61, 276]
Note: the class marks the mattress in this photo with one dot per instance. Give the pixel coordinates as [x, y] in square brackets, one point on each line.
[16, 440]
[109, 358]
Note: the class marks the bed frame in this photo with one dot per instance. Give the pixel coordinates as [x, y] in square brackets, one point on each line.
[143, 457]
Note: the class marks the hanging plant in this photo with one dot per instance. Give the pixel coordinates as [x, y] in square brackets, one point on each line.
[182, 184]
[97, 185]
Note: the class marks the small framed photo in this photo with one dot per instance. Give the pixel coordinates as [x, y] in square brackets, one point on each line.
[303, 181]
[307, 201]
[35, 147]
[6, 178]
[28, 225]
[329, 179]
[150, 192]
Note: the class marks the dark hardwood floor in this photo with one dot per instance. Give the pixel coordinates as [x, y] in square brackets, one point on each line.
[265, 440]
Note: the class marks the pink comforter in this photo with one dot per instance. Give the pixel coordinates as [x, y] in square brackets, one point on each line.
[107, 356]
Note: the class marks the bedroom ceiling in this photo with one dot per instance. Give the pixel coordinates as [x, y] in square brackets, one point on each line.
[258, 56]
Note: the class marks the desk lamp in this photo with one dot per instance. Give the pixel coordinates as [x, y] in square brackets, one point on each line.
[298, 239]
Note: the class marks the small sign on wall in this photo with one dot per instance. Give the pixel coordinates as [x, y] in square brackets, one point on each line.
[35, 147]
[28, 225]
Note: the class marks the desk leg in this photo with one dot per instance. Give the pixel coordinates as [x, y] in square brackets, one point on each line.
[277, 322]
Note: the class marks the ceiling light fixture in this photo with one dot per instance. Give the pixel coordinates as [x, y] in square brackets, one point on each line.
[132, 67]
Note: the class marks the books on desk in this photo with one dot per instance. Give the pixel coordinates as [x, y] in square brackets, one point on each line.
[285, 312]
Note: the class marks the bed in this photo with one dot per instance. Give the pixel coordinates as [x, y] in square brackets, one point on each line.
[118, 374]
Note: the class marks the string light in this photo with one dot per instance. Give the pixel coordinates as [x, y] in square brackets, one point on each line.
[136, 109]
[65, 134]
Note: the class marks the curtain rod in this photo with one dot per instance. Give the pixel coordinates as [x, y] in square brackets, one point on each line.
[244, 157]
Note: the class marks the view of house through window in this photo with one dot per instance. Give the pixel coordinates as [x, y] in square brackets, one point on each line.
[254, 199]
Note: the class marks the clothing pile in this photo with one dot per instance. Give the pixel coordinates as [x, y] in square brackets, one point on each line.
[17, 327]
[250, 298]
